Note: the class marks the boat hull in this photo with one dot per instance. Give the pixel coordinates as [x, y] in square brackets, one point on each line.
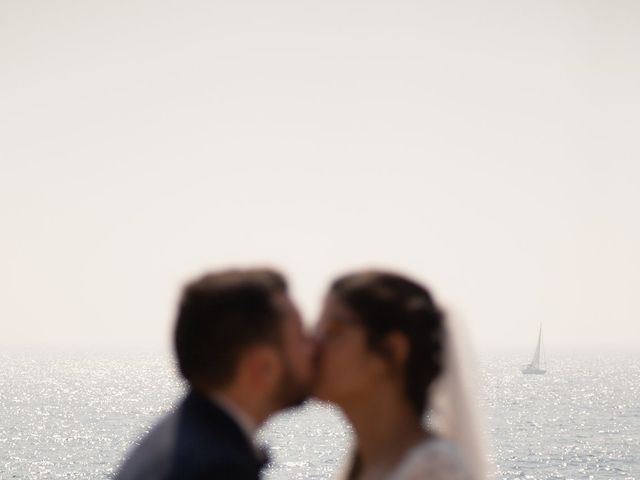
[533, 371]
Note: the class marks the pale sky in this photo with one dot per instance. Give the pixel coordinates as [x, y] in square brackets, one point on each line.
[488, 148]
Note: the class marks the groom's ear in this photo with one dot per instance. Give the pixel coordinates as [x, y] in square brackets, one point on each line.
[396, 346]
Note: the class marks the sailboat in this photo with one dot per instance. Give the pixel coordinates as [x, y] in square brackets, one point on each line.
[534, 367]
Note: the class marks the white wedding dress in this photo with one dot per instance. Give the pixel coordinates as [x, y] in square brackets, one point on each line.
[433, 459]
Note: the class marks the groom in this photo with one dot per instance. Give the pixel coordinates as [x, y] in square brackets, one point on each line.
[241, 348]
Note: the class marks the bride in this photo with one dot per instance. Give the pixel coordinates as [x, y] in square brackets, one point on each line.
[387, 358]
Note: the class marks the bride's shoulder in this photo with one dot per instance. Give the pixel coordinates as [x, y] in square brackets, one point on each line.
[435, 458]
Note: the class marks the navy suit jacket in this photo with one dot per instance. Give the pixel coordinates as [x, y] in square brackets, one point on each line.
[199, 441]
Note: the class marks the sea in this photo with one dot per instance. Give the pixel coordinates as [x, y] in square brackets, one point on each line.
[74, 415]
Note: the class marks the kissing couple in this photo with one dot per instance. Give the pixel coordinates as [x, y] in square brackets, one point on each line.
[383, 352]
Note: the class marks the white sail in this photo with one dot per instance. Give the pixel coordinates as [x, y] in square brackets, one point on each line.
[535, 362]
[534, 366]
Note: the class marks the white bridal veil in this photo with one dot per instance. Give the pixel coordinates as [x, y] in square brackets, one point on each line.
[454, 404]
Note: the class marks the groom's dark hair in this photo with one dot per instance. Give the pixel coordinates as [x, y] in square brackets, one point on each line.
[220, 315]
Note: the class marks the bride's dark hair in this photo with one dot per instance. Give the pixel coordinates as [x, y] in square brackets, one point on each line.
[386, 302]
